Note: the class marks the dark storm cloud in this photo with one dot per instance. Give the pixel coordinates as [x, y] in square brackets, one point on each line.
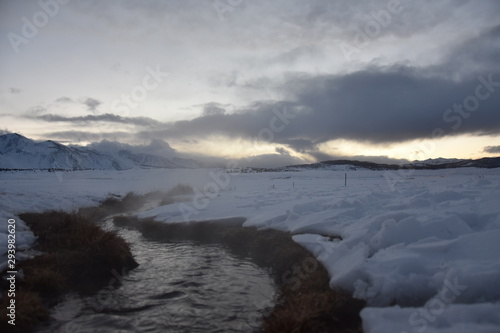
[379, 105]
[246, 123]
[384, 106]
[492, 149]
[92, 104]
[107, 117]
[474, 56]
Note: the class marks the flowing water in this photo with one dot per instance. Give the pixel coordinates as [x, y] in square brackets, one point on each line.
[178, 287]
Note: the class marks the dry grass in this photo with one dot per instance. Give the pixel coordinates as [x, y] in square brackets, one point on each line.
[305, 301]
[43, 274]
[318, 312]
[82, 253]
[77, 256]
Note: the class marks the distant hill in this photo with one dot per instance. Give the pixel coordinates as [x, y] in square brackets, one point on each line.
[346, 165]
[20, 153]
[431, 164]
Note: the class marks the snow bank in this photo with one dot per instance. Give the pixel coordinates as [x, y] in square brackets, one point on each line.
[433, 318]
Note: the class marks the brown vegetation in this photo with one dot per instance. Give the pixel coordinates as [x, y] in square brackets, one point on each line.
[77, 256]
[305, 302]
[78, 251]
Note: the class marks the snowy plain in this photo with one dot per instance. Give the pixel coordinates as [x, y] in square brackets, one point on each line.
[422, 248]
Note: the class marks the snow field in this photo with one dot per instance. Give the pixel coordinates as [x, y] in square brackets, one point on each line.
[425, 256]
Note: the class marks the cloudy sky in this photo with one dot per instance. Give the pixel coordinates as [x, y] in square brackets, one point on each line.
[280, 81]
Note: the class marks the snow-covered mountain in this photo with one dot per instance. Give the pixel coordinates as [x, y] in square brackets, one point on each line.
[19, 152]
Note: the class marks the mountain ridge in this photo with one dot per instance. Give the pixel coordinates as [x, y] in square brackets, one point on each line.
[430, 164]
[20, 153]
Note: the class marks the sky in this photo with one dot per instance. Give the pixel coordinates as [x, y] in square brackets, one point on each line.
[270, 82]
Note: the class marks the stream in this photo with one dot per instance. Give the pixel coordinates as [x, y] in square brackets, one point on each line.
[178, 287]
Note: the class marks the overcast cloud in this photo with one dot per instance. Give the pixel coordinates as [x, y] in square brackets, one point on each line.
[274, 72]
